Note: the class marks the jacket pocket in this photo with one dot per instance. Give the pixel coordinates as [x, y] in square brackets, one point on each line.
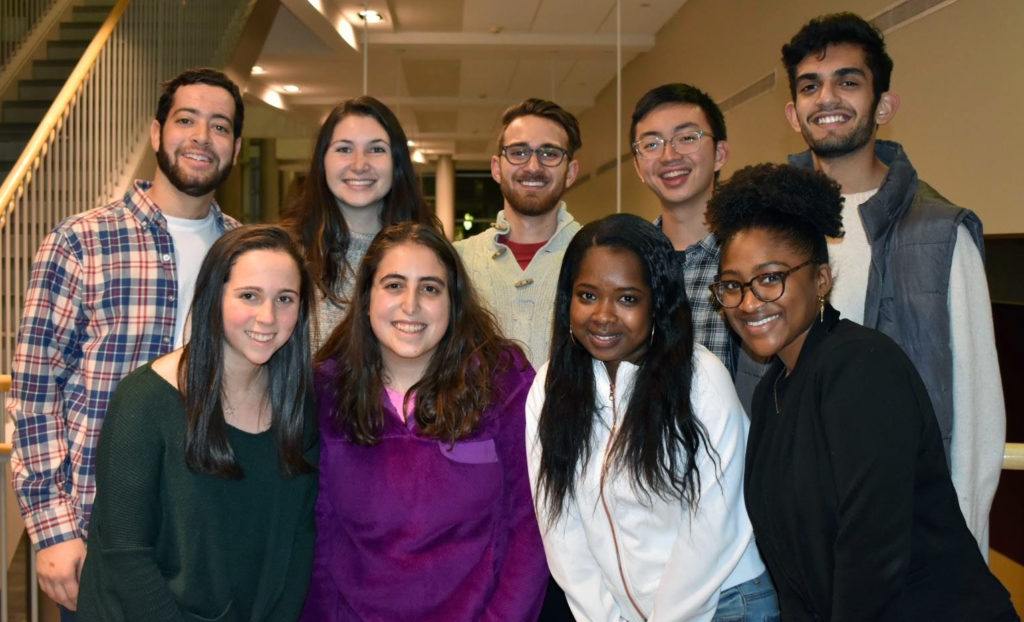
[470, 452]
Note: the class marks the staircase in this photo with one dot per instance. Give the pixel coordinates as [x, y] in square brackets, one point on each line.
[20, 117]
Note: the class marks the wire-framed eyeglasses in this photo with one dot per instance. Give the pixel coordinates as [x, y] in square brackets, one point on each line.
[683, 143]
[548, 155]
[766, 287]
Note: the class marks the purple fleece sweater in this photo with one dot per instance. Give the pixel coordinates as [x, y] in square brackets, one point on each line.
[410, 529]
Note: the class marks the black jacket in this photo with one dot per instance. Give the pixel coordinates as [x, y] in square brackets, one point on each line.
[848, 491]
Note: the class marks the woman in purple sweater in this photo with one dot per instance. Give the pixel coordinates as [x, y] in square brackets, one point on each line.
[424, 510]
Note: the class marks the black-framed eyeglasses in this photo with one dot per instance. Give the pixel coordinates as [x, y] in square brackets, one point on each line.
[766, 287]
[683, 143]
[548, 155]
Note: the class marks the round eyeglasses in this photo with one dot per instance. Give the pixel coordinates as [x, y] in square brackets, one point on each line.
[766, 287]
[683, 143]
[548, 155]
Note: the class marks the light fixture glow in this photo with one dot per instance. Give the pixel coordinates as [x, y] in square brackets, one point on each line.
[411, 143]
[347, 33]
[370, 16]
[258, 71]
[418, 157]
[316, 4]
[290, 88]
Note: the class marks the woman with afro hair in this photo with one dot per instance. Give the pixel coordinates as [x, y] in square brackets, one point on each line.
[846, 482]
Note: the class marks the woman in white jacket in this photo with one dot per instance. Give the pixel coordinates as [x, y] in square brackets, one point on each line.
[636, 462]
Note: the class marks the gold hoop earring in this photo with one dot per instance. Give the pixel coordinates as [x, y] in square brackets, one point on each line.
[571, 338]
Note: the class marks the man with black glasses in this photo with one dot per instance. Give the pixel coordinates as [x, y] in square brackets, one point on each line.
[514, 264]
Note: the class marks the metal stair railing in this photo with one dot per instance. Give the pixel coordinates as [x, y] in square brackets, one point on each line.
[98, 123]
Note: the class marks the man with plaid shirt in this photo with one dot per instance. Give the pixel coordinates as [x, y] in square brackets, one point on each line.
[679, 147]
[109, 291]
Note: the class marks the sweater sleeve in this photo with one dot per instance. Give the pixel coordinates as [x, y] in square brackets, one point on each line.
[565, 540]
[713, 537]
[523, 575]
[872, 421]
[979, 415]
[127, 508]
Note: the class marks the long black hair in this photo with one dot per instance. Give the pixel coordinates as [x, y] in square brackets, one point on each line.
[314, 218]
[457, 385]
[201, 369]
[659, 436]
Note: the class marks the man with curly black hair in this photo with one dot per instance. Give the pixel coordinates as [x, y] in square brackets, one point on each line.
[910, 263]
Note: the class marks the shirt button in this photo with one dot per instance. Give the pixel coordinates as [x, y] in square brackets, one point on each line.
[166, 257]
[167, 340]
[171, 298]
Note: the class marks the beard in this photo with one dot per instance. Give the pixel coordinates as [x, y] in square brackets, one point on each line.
[533, 204]
[838, 146]
[195, 187]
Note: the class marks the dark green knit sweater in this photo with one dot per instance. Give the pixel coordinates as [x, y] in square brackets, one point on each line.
[166, 543]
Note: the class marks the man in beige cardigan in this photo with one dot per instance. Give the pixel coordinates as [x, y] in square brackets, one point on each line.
[514, 264]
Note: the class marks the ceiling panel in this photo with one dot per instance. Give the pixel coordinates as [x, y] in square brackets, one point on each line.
[487, 78]
[541, 79]
[432, 15]
[508, 16]
[436, 121]
[289, 35]
[570, 16]
[642, 16]
[481, 121]
[436, 78]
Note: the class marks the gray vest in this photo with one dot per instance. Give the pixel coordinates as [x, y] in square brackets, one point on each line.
[912, 230]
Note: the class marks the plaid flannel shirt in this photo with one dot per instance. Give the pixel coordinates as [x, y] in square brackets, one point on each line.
[700, 265]
[100, 303]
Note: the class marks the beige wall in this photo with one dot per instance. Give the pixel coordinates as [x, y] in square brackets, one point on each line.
[958, 71]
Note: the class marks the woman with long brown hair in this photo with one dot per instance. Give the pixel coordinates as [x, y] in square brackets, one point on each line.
[361, 179]
[424, 510]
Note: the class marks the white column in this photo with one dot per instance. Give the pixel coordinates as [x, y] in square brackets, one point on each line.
[444, 194]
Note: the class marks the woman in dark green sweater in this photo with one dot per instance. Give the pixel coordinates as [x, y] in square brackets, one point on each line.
[205, 489]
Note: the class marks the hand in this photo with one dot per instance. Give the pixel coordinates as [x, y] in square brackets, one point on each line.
[59, 567]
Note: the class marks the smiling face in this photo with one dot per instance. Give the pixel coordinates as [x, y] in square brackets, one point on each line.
[781, 326]
[680, 180]
[358, 164]
[196, 146]
[610, 312]
[260, 306]
[409, 308]
[834, 107]
[532, 189]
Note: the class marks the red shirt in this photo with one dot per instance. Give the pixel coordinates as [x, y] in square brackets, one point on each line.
[522, 252]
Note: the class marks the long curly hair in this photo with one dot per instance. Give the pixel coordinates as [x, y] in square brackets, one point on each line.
[660, 437]
[458, 383]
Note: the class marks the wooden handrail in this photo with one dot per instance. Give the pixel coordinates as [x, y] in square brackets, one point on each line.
[37, 145]
[5, 383]
[5, 450]
[1013, 457]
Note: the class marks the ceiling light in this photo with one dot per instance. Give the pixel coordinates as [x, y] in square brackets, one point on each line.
[258, 71]
[411, 143]
[347, 33]
[370, 16]
[418, 157]
[290, 88]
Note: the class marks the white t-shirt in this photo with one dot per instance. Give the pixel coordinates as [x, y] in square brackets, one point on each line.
[850, 257]
[192, 238]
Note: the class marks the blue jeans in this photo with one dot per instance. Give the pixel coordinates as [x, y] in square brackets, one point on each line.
[750, 601]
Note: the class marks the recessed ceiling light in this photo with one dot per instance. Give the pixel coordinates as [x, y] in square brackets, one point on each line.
[370, 16]
[258, 71]
[411, 143]
[290, 88]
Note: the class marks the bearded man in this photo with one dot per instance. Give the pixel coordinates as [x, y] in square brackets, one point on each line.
[910, 263]
[110, 290]
[514, 264]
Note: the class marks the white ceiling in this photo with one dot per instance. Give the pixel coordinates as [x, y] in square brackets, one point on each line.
[449, 67]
